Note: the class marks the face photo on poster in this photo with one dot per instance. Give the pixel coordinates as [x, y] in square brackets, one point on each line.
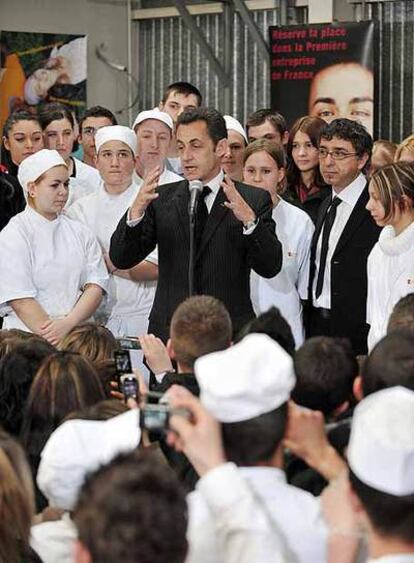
[324, 70]
[42, 67]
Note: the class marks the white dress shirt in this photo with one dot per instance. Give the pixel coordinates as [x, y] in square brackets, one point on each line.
[349, 197]
[49, 261]
[390, 276]
[295, 512]
[294, 229]
[128, 302]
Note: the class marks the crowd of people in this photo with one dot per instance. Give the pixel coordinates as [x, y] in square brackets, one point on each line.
[266, 276]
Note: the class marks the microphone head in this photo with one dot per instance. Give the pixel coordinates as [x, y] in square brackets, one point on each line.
[195, 185]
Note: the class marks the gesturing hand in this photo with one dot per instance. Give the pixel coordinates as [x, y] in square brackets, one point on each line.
[146, 193]
[242, 211]
[155, 353]
[199, 438]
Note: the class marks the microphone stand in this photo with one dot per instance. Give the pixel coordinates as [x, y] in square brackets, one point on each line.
[192, 217]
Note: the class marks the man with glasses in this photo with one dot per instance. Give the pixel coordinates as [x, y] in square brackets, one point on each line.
[344, 236]
[94, 118]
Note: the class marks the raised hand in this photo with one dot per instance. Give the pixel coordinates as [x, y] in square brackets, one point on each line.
[241, 210]
[146, 193]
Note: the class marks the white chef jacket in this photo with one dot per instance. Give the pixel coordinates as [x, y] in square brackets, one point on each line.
[50, 261]
[54, 542]
[294, 229]
[295, 512]
[167, 177]
[128, 302]
[349, 197]
[86, 181]
[390, 276]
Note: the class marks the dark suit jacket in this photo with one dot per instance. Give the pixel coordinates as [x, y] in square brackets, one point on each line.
[223, 261]
[349, 272]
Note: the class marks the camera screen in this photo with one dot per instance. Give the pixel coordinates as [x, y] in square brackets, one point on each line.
[155, 417]
[122, 361]
[129, 386]
[129, 343]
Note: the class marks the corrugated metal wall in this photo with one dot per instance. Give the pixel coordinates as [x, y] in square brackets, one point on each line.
[167, 53]
[395, 115]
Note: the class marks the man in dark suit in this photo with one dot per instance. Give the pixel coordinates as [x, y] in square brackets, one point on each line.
[344, 236]
[239, 233]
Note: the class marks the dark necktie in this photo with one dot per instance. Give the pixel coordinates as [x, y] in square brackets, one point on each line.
[201, 215]
[327, 227]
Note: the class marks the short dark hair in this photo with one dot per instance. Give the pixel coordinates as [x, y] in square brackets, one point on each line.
[349, 130]
[200, 325]
[250, 442]
[274, 325]
[184, 88]
[325, 371]
[135, 498]
[16, 117]
[53, 112]
[98, 111]
[216, 125]
[391, 516]
[402, 315]
[261, 115]
[390, 363]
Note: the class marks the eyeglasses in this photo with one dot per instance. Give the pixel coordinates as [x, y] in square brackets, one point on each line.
[336, 154]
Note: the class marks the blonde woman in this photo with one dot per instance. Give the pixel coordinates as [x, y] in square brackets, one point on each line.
[405, 150]
[264, 167]
[391, 262]
[53, 273]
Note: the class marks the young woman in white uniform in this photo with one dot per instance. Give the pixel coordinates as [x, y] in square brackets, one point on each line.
[391, 262]
[58, 127]
[52, 270]
[131, 292]
[264, 168]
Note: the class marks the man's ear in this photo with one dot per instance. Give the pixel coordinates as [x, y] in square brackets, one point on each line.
[285, 138]
[362, 160]
[81, 554]
[6, 143]
[343, 407]
[222, 147]
[170, 349]
[357, 388]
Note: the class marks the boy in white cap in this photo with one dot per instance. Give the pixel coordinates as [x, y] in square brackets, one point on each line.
[52, 271]
[75, 449]
[247, 388]
[154, 130]
[232, 161]
[381, 473]
[131, 292]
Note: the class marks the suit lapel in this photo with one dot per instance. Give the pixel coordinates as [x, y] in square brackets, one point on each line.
[181, 200]
[359, 213]
[319, 222]
[216, 215]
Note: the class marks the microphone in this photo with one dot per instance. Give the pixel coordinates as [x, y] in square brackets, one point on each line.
[195, 187]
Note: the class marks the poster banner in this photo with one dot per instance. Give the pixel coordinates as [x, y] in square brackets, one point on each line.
[326, 70]
[41, 67]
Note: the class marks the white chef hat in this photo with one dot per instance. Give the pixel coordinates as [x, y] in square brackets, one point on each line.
[154, 114]
[78, 447]
[381, 446]
[116, 133]
[248, 379]
[234, 125]
[37, 164]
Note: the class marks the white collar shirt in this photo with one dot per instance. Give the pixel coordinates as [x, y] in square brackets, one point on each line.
[295, 512]
[294, 229]
[214, 184]
[349, 197]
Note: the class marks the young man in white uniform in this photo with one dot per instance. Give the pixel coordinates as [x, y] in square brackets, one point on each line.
[154, 130]
[246, 388]
[379, 488]
[131, 292]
